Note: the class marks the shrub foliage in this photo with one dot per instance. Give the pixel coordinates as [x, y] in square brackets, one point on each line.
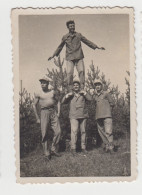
[30, 131]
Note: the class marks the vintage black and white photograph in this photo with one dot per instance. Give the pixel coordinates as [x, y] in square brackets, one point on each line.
[74, 94]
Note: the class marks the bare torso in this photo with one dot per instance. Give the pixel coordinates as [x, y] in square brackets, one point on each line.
[46, 99]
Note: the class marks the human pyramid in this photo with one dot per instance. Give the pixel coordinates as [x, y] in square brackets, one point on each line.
[76, 98]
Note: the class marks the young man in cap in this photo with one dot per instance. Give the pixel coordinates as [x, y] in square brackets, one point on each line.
[74, 53]
[49, 116]
[104, 105]
[78, 114]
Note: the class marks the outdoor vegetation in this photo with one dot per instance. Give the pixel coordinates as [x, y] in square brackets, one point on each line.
[94, 163]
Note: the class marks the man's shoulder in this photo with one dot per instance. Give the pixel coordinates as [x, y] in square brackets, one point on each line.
[78, 33]
[106, 93]
[50, 91]
[65, 36]
[37, 94]
[55, 93]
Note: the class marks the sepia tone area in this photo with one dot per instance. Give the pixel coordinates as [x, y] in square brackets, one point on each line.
[39, 36]
[105, 151]
[34, 49]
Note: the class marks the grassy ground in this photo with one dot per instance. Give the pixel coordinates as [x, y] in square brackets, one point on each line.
[95, 163]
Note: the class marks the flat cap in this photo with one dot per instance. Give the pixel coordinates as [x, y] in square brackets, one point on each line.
[98, 81]
[76, 81]
[45, 78]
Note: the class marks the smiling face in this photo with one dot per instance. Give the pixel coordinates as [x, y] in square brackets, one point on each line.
[98, 87]
[71, 27]
[44, 85]
[76, 87]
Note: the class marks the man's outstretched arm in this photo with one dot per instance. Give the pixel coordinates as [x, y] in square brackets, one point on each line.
[58, 50]
[90, 44]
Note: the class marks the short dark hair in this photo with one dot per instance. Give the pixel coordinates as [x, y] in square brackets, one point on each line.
[69, 22]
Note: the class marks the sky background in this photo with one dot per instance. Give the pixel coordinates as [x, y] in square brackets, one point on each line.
[39, 36]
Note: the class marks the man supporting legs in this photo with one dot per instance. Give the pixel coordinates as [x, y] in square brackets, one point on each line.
[78, 114]
[81, 72]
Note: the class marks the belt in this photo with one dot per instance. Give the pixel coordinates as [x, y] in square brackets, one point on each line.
[48, 108]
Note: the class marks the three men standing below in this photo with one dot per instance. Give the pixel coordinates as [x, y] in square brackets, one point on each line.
[74, 53]
[49, 117]
[78, 114]
[104, 105]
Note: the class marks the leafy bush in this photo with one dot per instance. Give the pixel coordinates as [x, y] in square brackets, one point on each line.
[30, 131]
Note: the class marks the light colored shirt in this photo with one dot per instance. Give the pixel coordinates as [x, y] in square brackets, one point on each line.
[46, 99]
[73, 46]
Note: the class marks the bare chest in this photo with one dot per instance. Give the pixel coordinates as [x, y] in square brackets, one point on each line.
[47, 96]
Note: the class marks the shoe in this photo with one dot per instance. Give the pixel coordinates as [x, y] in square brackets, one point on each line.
[55, 154]
[104, 149]
[108, 148]
[47, 153]
[84, 151]
[113, 150]
[73, 151]
[48, 157]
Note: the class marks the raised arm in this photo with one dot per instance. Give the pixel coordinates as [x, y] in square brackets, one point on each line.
[36, 100]
[90, 44]
[86, 95]
[67, 98]
[58, 50]
[110, 99]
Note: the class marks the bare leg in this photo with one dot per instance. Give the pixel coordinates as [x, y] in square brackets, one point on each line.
[81, 72]
[70, 71]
